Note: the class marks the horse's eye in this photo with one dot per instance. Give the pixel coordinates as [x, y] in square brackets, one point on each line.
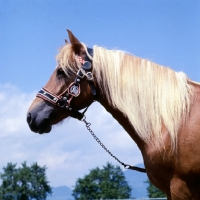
[60, 72]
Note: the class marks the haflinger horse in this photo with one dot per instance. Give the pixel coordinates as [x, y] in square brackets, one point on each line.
[158, 108]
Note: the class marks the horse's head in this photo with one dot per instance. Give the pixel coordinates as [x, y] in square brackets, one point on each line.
[70, 88]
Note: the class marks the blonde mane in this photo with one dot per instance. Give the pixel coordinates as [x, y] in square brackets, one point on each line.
[154, 98]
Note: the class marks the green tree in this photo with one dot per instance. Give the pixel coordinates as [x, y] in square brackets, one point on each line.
[154, 192]
[106, 183]
[24, 183]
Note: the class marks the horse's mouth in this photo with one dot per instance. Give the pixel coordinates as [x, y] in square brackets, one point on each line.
[45, 129]
[42, 127]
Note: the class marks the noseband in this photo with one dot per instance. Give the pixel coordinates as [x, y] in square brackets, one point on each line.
[64, 99]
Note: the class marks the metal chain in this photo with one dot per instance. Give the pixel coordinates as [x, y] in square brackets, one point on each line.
[87, 124]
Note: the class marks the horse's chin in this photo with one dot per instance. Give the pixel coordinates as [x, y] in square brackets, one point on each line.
[45, 129]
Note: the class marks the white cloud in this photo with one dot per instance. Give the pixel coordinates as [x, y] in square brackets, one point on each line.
[69, 151]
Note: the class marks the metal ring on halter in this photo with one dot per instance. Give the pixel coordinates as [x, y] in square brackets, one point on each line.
[89, 76]
[81, 73]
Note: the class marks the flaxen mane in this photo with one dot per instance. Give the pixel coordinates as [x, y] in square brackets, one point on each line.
[150, 95]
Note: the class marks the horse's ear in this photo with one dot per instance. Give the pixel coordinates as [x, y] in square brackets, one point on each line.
[76, 45]
[72, 38]
[66, 41]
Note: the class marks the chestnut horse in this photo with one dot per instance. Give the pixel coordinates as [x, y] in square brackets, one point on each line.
[155, 105]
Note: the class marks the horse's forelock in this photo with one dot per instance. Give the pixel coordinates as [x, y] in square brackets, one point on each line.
[67, 59]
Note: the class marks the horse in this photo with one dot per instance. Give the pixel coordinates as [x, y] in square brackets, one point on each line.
[156, 106]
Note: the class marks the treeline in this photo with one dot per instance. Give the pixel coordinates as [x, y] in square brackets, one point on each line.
[30, 182]
[24, 183]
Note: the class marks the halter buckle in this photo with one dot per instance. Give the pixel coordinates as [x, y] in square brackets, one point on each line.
[89, 76]
[81, 73]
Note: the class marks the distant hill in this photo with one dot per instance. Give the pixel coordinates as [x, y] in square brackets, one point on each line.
[135, 179]
[137, 182]
[61, 193]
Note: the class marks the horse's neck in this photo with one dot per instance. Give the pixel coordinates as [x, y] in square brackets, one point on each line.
[123, 121]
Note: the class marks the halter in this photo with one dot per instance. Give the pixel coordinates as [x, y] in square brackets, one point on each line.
[64, 99]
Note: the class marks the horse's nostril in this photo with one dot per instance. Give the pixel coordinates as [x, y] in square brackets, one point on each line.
[29, 118]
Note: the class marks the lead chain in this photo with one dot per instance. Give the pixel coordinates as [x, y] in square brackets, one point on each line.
[87, 124]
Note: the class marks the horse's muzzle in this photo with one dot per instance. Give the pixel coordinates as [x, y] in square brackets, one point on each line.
[41, 127]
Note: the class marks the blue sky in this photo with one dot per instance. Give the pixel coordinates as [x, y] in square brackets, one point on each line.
[31, 32]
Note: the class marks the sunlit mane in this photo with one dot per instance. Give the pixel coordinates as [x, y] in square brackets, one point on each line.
[153, 97]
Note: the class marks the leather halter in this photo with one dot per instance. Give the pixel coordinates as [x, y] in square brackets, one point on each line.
[64, 99]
